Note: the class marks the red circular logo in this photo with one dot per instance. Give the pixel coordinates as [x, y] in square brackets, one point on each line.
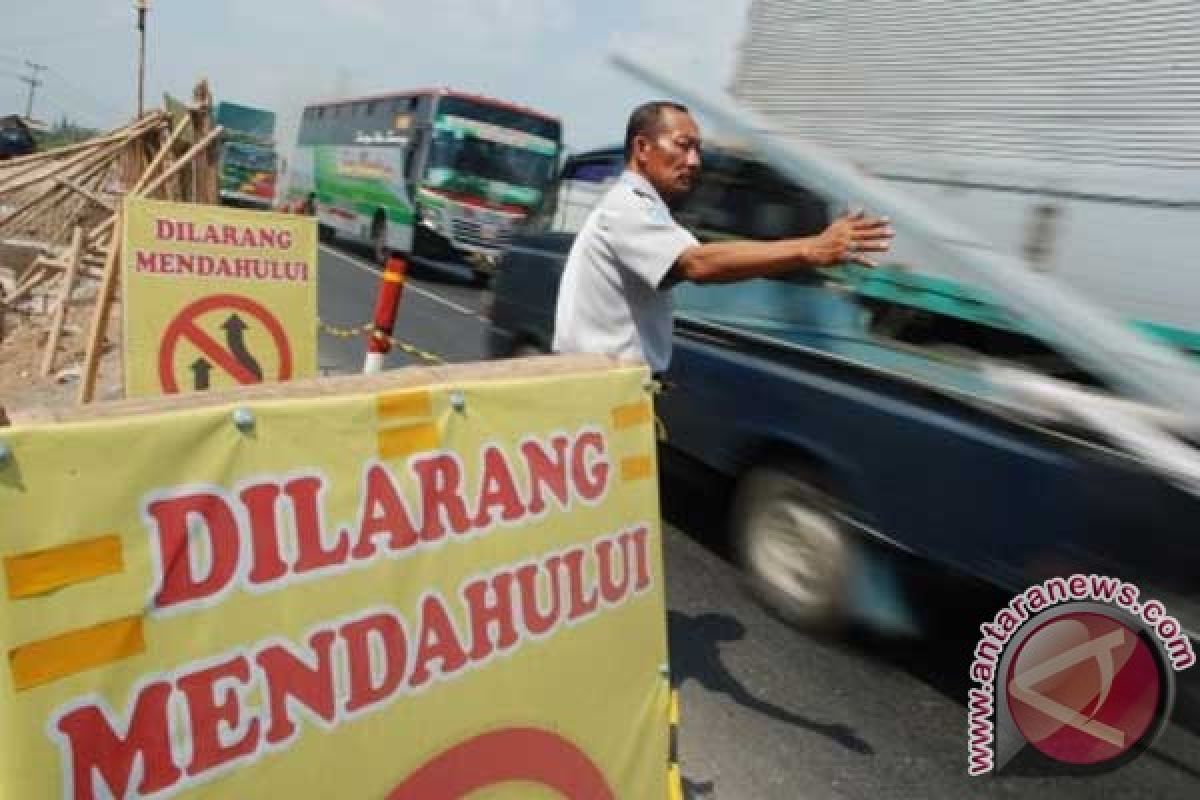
[1084, 688]
[525, 755]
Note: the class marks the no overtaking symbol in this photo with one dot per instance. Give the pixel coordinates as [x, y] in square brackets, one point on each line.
[233, 357]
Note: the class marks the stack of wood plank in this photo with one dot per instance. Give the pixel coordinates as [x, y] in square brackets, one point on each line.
[66, 203]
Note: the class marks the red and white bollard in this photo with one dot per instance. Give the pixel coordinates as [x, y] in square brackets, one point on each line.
[391, 288]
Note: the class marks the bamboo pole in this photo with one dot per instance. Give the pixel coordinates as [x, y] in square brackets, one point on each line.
[95, 342]
[24, 166]
[156, 118]
[100, 230]
[184, 160]
[117, 144]
[163, 152]
[74, 262]
[88, 167]
[38, 272]
[86, 193]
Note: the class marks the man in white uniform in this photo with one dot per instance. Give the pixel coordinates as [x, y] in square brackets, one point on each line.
[614, 298]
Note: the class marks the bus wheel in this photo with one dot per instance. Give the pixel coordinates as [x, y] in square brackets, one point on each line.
[379, 239]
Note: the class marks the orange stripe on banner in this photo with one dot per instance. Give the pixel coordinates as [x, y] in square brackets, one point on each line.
[637, 468]
[632, 415]
[399, 442]
[42, 571]
[49, 660]
[404, 404]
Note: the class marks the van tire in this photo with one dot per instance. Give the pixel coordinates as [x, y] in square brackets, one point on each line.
[526, 349]
[797, 555]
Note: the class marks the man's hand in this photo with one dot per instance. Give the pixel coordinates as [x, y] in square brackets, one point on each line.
[853, 237]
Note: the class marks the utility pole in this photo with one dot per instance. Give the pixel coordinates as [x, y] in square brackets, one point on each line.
[142, 7]
[34, 83]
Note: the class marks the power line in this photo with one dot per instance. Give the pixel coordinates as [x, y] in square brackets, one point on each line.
[34, 83]
[83, 94]
[76, 112]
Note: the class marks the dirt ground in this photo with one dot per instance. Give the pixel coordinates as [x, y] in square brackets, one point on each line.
[22, 344]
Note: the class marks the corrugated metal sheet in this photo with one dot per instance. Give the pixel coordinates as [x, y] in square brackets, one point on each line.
[1103, 82]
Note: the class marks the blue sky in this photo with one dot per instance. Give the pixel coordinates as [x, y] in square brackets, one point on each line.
[551, 54]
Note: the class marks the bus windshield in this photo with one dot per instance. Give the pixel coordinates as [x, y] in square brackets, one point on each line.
[468, 164]
[498, 153]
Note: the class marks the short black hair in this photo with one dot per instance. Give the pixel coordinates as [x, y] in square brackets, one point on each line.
[645, 121]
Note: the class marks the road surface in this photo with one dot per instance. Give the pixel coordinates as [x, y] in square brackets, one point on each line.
[770, 713]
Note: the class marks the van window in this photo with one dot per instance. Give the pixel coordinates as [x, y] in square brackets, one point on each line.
[742, 199]
[579, 189]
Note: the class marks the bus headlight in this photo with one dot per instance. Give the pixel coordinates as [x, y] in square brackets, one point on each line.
[432, 218]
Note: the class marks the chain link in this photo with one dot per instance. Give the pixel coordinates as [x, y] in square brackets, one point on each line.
[339, 332]
[343, 333]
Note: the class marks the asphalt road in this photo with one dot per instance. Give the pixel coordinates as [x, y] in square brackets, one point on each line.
[770, 713]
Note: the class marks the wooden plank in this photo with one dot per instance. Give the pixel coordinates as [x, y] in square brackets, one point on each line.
[407, 378]
[95, 343]
[64, 301]
[87, 194]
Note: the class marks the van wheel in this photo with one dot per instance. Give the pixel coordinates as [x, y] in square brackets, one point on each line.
[379, 246]
[526, 349]
[797, 555]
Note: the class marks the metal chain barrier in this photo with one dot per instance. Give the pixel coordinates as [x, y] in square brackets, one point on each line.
[339, 332]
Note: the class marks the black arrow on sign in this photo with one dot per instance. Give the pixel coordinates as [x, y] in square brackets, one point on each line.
[235, 340]
[200, 370]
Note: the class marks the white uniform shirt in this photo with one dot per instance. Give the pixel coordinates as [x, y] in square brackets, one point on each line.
[611, 299]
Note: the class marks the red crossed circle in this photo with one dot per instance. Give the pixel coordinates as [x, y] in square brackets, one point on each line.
[511, 754]
[184, 327]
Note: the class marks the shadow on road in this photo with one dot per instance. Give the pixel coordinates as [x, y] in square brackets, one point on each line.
[697, 502]
[695, 643]
[698, 790]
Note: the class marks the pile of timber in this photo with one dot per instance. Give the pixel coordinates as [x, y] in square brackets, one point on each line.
[66, 204]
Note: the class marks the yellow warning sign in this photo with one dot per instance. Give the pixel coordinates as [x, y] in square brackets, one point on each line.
[216, 297]
[408, 592]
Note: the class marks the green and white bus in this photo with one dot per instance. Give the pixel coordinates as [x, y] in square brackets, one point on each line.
[436, 174]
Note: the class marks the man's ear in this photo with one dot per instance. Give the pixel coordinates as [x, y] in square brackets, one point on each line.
[641, 143]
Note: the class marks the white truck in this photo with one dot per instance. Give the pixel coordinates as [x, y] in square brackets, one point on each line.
[1067, 133]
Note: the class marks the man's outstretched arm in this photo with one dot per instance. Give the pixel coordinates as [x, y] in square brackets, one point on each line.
[854, 237]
